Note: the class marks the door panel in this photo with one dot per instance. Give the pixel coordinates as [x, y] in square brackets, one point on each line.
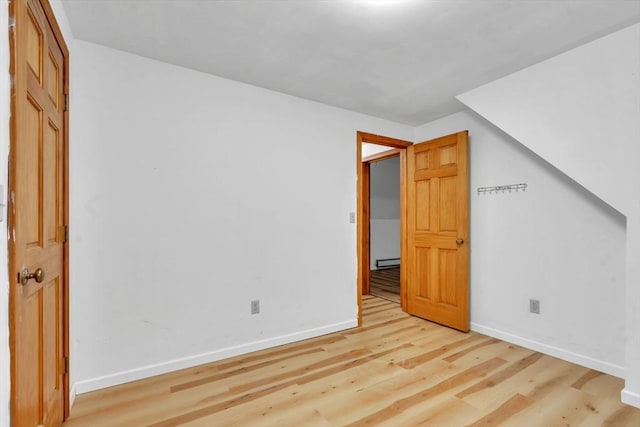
[437, 231]
[448, 266]
[447, 205]
[422, 213]
[423, 265]
[36, 215]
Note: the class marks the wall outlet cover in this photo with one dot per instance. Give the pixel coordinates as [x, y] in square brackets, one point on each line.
[534, 306]
[255, 306]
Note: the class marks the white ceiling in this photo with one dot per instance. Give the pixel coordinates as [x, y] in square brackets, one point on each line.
[402, 60]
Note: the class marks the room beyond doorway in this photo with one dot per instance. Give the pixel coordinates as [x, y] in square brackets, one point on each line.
[384, 228]
[364, 159]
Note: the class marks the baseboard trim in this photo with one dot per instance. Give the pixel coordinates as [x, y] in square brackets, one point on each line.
[117, 378]
[598, 365]
[630, 398]
[72, 395]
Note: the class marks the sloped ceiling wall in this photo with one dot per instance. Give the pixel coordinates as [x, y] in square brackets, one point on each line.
[580, 111]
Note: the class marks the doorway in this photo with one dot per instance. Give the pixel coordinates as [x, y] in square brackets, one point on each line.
[384, 222]
[392, 147]
[434, 216]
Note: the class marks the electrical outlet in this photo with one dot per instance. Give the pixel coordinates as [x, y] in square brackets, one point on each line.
[352, 217]
[534, 306]
[255, 306]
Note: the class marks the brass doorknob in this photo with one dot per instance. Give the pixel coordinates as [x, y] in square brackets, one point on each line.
[459, 241]
[25, 276]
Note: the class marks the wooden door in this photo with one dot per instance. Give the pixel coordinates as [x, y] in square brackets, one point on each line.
[37, 212]
[437, 231]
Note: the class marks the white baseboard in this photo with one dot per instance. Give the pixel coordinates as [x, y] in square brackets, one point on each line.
[72, 395]
[630, 398]
[117, 378]
[598, 365]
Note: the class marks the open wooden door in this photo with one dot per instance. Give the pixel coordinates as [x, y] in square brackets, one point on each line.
[437, 231]
[37, 217]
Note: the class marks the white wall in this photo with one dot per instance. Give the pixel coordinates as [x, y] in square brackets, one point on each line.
[192, 195]
[581, 112]
[5, 98]
[371, 149]
[555, 242]
[385, 189]
[631, 392]
[384, 210]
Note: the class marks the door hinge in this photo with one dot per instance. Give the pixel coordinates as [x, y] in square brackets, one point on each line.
[12, 24]
[65, 365]
[66, 102]
[65, 233]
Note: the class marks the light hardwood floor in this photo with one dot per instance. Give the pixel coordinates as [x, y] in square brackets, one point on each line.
[385, 283]
[396, 370]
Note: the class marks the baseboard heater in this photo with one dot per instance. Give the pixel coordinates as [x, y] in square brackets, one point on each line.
[388, 263]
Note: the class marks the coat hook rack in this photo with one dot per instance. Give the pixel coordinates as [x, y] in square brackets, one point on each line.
[503, 188]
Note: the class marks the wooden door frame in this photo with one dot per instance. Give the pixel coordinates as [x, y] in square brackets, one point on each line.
[13, 266]
[398, 148]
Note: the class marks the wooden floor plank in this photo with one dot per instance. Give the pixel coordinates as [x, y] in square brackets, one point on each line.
[501, 376]
[444, 386]
[512, 406]
[385, 283]
[433, 354]
[591, 374]
[624, 416]
[536, 381]
[320, 394]
[447, 412]
[395, 370]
